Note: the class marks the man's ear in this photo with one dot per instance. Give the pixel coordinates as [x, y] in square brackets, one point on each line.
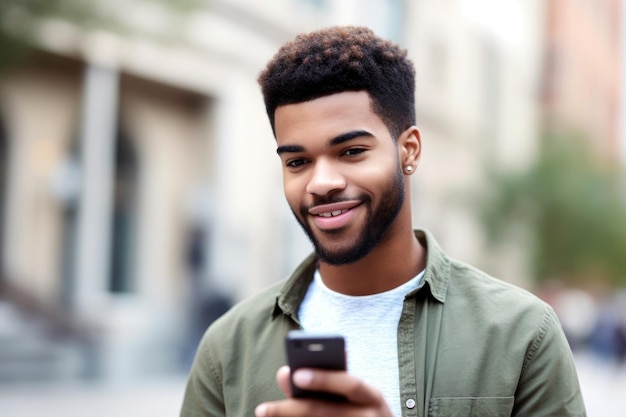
[409, 149]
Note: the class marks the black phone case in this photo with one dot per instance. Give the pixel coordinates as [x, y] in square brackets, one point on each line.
[305, 350]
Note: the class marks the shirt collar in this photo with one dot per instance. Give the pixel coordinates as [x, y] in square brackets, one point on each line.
[437, 272]
[436, 277]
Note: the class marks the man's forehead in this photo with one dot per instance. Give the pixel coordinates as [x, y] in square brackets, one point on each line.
[334, 115]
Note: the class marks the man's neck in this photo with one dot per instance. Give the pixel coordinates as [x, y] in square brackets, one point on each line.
[391, 263]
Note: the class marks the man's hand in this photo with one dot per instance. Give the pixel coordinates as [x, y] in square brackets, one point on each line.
[363, 399]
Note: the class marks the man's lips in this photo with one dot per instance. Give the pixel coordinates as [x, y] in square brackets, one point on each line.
[333, 209]
[333, 216]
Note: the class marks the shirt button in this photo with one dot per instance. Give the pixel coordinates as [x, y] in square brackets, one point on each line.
[410, 403]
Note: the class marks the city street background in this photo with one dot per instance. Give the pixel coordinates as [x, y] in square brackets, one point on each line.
[141, 195]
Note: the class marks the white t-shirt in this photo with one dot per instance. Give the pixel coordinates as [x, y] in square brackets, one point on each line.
[370, 325]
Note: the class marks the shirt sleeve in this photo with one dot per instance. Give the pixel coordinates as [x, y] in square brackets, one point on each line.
[548, 384]
[203, 395]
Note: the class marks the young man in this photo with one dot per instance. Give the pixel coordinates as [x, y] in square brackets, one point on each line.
[426, 335]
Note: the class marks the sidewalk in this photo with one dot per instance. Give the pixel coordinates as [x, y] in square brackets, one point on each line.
[603, 385]
[161, 398]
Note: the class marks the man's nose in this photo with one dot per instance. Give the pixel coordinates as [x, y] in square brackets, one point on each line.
[325, 178]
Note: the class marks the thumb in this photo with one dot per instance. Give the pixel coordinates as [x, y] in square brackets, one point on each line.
[283, 376]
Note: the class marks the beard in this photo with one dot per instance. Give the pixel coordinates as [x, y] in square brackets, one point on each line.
[371, 232]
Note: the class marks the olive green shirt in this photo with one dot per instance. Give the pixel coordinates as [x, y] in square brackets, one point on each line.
[468, 345]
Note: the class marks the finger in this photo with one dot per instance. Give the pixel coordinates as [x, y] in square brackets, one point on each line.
[310, 408]
[282, 377]
[339, 382]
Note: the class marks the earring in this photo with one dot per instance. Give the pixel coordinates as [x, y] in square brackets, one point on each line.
[409, 169]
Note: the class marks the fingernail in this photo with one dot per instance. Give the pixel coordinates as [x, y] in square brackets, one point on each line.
[260, 410]
[303, 377]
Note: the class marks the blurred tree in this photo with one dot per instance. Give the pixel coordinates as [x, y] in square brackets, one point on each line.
[572, 203]
[19, 20]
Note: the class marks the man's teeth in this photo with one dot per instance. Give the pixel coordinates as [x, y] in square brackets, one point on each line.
[332, 213]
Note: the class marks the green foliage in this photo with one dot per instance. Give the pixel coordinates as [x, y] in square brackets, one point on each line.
[19, 20]
[573, 206]
[18, 23]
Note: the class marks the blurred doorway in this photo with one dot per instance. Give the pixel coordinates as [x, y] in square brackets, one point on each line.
[70, 179]
[123, 223]
[4, 161]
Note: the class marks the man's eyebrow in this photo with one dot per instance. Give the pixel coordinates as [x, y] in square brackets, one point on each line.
[289, 149]
[337, 140]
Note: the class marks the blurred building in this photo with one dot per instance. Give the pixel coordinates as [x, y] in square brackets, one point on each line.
[583, 74]
[622, 111]
[478, 69]
[139, 178]
[141, 191]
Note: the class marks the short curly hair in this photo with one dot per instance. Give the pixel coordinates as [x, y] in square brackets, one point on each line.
[338, 59]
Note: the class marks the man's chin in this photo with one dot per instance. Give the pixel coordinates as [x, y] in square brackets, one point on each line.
[329, 248]
[335, 260]
[342, 256]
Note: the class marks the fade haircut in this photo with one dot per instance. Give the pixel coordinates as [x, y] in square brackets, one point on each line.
[338, 59]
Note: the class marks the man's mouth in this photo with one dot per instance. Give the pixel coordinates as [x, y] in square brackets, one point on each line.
[332, 213]
[333, 209]
[333, 216]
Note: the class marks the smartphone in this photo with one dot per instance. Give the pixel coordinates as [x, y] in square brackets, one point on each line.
[315, 350]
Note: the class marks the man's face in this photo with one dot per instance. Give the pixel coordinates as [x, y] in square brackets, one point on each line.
[341, 173]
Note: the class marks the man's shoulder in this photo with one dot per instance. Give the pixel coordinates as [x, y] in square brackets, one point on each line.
[244, 345]
[254, 309]
[470, 285]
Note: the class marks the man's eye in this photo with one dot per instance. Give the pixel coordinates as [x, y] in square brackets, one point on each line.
[295, 163]
[354, 151]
